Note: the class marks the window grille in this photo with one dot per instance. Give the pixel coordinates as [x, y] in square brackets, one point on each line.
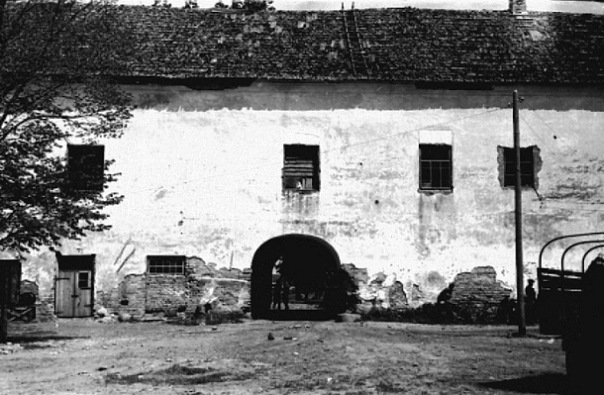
[436, 167]
[166, 264]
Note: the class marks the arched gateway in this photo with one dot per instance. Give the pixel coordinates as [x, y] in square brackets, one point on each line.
[308, 261]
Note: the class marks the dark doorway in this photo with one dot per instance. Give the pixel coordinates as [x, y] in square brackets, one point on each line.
[311, 266]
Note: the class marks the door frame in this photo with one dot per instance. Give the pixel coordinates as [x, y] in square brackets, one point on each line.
[74, 264]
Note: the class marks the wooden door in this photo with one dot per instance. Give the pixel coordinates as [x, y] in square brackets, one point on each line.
[83, 288]
[64, 294]
[73, 294]
[74, 289]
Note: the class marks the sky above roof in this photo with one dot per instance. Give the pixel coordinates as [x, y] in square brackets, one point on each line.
[312, 5]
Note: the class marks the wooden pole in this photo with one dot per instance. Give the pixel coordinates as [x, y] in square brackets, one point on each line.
[518, 219]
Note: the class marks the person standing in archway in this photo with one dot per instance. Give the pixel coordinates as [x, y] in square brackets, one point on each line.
[281, 293]
[285, 285]
[281, 287]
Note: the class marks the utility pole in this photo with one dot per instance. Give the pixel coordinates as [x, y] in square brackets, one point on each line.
[518, 219]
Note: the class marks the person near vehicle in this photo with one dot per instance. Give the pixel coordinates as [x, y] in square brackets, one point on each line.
[530, 303]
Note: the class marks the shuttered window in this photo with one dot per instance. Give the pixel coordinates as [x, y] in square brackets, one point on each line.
[527, 167]
[301, 168]
[85, 165]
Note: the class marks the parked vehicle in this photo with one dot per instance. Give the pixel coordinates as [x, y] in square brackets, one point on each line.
[571, 304]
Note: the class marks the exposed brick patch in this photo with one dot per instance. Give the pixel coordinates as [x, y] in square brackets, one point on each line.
[140, 294]
[396, 295]
[478, 293]
[359, 275]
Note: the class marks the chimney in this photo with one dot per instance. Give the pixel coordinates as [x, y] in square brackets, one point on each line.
[517, 7]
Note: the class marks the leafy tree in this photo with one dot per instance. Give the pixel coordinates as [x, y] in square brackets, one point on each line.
[56, 63]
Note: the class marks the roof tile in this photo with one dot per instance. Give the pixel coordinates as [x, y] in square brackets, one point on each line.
[405, 45]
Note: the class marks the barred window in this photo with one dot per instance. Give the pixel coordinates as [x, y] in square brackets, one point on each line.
[301, 168]
[166, 264]
[436, 167]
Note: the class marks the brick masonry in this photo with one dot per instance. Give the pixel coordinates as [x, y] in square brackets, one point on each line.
[165, 294]
[479, 292]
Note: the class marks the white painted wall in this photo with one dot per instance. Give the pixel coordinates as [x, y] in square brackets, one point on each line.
[207, 182]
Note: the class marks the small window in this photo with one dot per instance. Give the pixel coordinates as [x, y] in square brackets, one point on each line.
[436, 167]
[301, 168]
[83, 280]
[166, 264]
[85, 165]
[527, 167]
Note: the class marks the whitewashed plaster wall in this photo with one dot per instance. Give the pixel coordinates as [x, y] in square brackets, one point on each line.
[201, 176]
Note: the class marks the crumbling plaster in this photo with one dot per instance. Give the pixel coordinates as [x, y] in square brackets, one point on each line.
[201, 175]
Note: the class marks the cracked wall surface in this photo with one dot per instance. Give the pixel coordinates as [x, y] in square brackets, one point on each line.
[201, 176]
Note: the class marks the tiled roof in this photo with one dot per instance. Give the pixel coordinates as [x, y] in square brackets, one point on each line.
[402, 45]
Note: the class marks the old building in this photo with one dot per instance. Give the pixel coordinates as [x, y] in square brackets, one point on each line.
[387, 133]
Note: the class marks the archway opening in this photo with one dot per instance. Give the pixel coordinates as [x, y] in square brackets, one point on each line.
[297, 276]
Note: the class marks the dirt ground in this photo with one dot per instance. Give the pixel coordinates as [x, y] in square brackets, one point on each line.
[83, 356]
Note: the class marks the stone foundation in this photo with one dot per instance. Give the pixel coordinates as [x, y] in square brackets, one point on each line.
[477, 294]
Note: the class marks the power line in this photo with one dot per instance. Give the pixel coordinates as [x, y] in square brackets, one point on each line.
[382, 160]
[555, 134]
[421, 128]
[537, 136]
[370, 141]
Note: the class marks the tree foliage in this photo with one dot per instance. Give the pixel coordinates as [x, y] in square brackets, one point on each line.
[248, 5]
[56, 63]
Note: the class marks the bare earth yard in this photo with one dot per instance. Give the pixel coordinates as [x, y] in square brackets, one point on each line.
[83, 356]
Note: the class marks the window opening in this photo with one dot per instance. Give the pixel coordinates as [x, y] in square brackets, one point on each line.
[301, 168]
[436, 167]
[83, 280]
[527, 167]
[86, 165]
[166, 264]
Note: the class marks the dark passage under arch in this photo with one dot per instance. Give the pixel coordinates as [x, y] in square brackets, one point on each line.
[308, 261]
